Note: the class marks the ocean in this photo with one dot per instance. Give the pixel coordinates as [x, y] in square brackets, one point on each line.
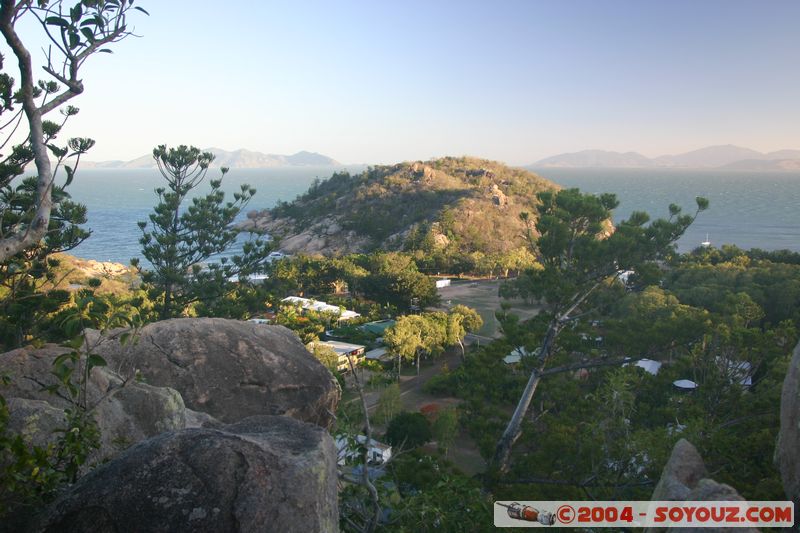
[748, 209]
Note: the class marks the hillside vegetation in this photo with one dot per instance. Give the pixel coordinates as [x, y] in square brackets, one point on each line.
[465, 204]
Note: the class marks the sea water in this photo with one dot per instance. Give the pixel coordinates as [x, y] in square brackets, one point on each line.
[748, 209]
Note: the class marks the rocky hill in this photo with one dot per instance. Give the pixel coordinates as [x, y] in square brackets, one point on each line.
[468, 203]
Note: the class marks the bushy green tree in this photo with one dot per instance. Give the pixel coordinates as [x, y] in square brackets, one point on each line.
[460, 321]
[394, 279]
[408, 430]
[316, 275]
[178, 241]
[430, 333]
[404, 339]
[414, 335]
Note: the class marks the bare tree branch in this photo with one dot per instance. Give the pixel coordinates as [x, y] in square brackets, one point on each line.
[373, 492]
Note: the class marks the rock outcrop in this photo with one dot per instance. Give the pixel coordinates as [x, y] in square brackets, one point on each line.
[787, 452]
[126, 411]
[499, 198]
[262, 474]
[35, 420]
[230, 369]
[685, 478]
[683, 471]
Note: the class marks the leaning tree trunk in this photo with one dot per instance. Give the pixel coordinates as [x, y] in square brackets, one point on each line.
[502, 454]
[17, 241]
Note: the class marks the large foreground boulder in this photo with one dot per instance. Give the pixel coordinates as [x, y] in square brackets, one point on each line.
[230, 369]
[265, 473]
[787, 452]
[126, 412]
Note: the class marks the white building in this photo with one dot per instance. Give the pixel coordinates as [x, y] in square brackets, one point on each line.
[345, 350]
[320, 307]
[648, 365]
[377, 452]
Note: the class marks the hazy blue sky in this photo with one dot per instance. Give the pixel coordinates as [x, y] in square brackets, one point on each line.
[381, 82]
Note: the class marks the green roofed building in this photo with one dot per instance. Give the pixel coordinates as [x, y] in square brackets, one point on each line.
[379, 326]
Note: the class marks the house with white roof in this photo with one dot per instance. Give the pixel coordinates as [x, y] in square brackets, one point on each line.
[321, 307]
[648, 365]
[377, 354]
[377, 452]
[345, 350]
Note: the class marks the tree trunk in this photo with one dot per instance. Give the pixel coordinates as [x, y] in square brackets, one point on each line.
[502, 454]
[165, 310]
[17, 241]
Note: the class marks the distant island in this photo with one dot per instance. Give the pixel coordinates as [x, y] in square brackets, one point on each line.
[728, 157]
[447, 205]
[233, 159]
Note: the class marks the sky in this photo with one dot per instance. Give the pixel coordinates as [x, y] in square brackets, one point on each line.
[382, 82]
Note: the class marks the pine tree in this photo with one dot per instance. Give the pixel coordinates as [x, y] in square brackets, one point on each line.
[178, 241]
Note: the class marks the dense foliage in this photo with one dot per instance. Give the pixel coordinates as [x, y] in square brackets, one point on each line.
[605, 431]
[408, 430]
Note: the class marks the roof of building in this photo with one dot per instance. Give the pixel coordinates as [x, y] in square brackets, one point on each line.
[379, 326]
[376, 353]
[341, 442]
[686, 384]
[373, 443]
[321, 307]
[342, 348]
[648, 365]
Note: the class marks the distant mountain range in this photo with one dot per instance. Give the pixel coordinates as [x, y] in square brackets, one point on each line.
[234, 159]
[722, 157]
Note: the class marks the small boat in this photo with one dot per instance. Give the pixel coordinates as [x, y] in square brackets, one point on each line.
[706, 243]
